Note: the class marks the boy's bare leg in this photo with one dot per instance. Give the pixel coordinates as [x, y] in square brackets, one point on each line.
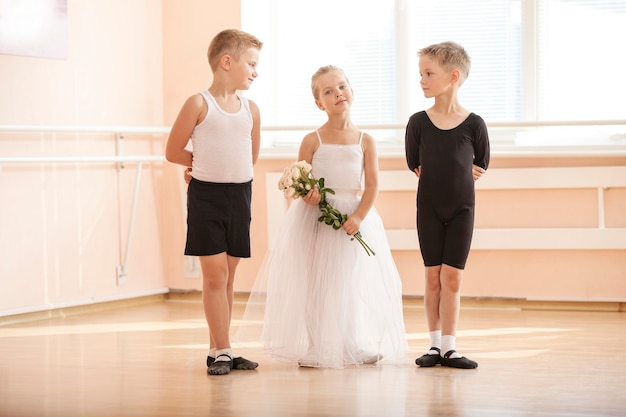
[442, 303]
[231, 263]
[432, 302]
[432, 297]
[449, 308]
[232, 267]
[450, 299]
[216, 310]
[215, 298]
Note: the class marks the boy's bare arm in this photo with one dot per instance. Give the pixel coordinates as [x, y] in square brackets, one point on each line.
[256, 130]
[181, 131]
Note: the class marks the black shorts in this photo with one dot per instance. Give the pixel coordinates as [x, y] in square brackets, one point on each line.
[218, 218]
[445, 241]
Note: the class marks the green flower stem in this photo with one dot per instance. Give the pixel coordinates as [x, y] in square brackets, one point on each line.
[368, 250]
[335, 218]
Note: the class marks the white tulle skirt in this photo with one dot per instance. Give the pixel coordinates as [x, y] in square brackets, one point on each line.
[321, 298]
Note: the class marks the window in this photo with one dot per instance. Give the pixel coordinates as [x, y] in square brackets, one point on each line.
[541, 60]
[580, 50]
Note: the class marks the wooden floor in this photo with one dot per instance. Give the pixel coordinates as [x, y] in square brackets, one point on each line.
[148, 360]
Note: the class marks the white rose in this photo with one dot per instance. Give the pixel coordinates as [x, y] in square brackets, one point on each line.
[306, 167]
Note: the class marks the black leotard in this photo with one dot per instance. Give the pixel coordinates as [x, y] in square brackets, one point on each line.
[445, 194]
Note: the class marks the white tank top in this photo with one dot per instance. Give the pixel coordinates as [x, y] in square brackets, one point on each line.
[222, 144]
[340, 165]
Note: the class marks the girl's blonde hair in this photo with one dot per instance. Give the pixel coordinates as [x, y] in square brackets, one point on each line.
[233, 42]
[324, 70]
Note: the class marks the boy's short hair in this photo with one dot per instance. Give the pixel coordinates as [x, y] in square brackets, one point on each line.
[449, 55]
[233, 42]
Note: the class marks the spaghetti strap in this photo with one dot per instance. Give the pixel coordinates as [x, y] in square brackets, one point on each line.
[319, 138]
[361, 137]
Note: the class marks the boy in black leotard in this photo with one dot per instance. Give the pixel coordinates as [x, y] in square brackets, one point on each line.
[448, 149]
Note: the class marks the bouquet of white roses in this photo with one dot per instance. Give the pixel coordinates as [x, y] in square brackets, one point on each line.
[298, 180]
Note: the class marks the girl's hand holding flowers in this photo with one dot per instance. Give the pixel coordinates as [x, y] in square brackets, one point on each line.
[297, 181]
[351, 225]
[313, 197]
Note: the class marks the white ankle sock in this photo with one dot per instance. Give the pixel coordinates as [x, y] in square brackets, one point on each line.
[227, 351]
[212, 353]
[448, 343]
[435, 341]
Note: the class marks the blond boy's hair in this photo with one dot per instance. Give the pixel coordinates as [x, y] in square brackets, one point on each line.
[449, 55]
[324, 70]
[233, 42]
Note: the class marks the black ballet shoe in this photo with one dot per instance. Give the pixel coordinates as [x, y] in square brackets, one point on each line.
[427, 360]
[462, 362]
[220, 367]
[243, 364]
[240, 363]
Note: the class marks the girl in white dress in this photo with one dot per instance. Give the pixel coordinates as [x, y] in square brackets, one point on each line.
[323, 300]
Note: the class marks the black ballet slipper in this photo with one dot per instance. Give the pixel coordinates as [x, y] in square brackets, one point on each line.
[462, 362]
[244, 364]
[220, 367]
[239, 363]
[427, 360]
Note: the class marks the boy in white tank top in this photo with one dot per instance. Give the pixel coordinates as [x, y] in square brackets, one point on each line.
[225, 132]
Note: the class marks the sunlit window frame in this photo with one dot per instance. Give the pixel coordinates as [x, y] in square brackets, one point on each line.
[504, 135]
